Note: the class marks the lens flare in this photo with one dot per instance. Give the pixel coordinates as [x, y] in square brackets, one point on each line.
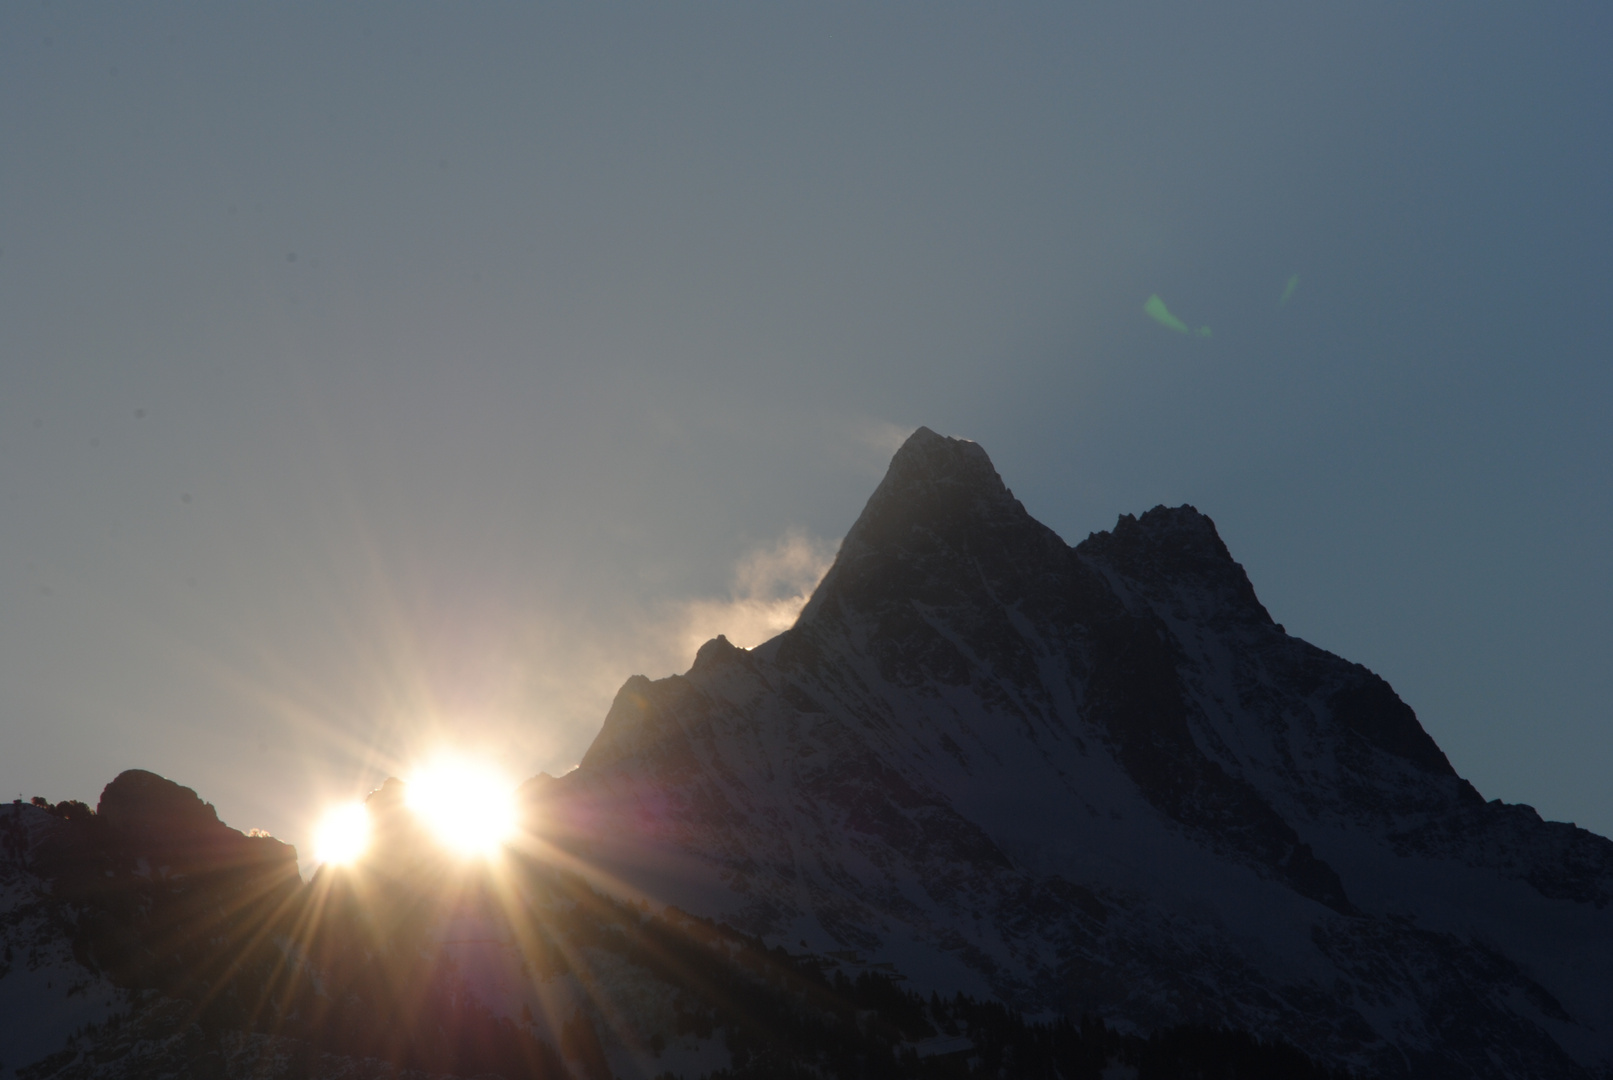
[467, 805]
[343, 834]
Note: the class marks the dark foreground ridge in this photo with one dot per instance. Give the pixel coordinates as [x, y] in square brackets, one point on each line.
[994, 806]
[230, 967]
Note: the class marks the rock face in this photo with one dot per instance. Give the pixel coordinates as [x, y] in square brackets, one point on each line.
[163, 890]
[150, 817]
[1102, 780]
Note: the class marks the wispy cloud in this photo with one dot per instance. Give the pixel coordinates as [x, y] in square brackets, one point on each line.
[566, 674]
[770, 587]
[519, 684]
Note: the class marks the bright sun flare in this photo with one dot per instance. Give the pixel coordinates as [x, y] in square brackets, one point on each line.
[343, 833]
[467, 805]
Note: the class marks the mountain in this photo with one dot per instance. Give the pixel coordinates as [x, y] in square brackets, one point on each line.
[147, 939]
[994, 807]
[1098, 780]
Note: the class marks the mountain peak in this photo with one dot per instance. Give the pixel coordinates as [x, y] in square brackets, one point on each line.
[170, 824]
[1098, 779]
[139, 801]
[1176, 535]
[930, 466]
[940, 523]
[927, 451]
[1176, 545]
[936, 491]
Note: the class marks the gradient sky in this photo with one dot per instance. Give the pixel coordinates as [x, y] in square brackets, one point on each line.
[379, 377]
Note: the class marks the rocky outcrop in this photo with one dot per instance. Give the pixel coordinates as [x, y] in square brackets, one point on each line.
[168, 829]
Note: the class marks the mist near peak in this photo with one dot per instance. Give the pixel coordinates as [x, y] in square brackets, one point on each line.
[771, 586]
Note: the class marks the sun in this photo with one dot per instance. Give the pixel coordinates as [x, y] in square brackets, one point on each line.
[466, 804]
[343, 833]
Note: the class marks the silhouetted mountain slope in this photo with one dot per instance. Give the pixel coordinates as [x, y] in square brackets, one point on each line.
[994, 807]
[212, 962]
[1099, 779]
[162, 942]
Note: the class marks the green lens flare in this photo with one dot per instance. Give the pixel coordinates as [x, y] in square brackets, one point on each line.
[1288, 290]
[1155, 309]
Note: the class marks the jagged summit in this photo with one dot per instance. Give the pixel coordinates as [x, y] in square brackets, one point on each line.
[942, 526]
[1099, 779]
[1091, 780]
[1177, 547]
[1176, 535]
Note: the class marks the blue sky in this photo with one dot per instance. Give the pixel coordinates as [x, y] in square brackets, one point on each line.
[382, 376]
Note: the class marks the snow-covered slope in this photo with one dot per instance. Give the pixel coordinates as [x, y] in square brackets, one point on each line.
[1101, 780]
[46, 995]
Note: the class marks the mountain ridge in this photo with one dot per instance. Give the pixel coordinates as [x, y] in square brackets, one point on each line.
[1100, 778]
[995, 805]
[408, 965]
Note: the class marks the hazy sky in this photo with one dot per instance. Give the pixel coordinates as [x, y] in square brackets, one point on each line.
[379, 376]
